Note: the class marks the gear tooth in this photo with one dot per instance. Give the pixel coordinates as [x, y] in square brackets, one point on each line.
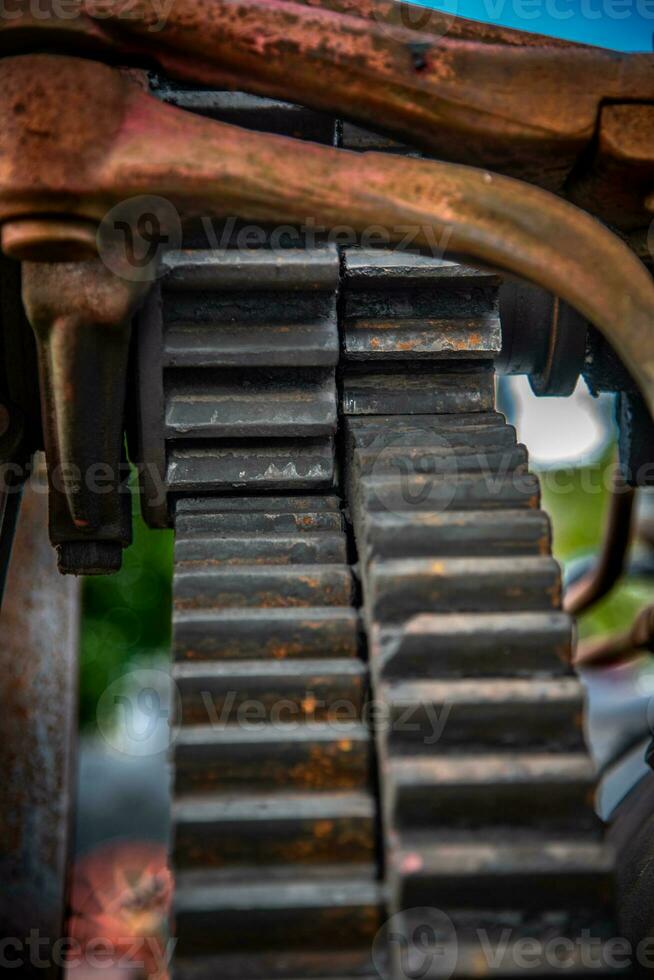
[266, 634]
[491, 644]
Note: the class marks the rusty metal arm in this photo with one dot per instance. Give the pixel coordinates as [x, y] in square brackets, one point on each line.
[523, 110]
[126, 143]
[610, 563]
[81, 314]
[517, 103]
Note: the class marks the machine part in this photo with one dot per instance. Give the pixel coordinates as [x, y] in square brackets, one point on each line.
[145, 409]
[543, 337]
[610, 564]
[635, 439]
[513, 226]
[273, 810]
[618, 181]
[39, 623]
[267, 371]
[612, 650]
[461, 608]
[604, 372]
[274, 807]
[496, 221]
[81, 315]
[445, 518]
[461, 603]
[632, 835]
[442, 87]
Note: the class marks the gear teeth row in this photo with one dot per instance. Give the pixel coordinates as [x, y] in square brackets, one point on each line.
[267, 634]
[249, 338]
[486, 785]
[275, 822]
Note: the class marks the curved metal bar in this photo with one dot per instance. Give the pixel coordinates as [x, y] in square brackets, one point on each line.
[609, 651]
[610, 563]
[142, 146]
[523, 109]
[447, 208]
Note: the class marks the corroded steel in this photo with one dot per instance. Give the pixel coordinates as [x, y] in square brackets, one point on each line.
[80, 137]
[81, 315]
[488, 645]
[519, 104]
[81, 157]
[528, 111]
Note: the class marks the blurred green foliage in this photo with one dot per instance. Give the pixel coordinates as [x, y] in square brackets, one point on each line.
[126, 617]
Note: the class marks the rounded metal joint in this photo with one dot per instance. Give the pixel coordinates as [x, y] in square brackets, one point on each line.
[49, 239]
[543, 337]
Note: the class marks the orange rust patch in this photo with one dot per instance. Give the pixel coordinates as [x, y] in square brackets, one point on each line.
[309, 705]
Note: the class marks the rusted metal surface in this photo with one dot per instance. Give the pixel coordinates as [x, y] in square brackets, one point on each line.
[469, 552]
[470, 809]
[265, 798]
[68, 159]
[617, 183]
[123, 143]
[470, 94]
[610, 563]
[38, 657]
[81, 315]
[250, 346]
[527, 111]
[79, 137]
[520, 104]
